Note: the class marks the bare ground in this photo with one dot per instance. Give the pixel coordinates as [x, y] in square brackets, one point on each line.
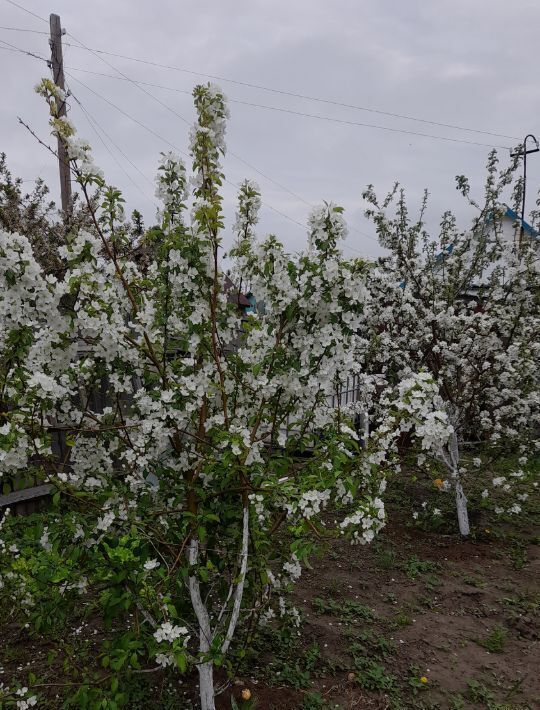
[416, 620]
[433, 601]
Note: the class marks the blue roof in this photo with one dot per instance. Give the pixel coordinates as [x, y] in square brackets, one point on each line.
[510, 213]
[526, 226]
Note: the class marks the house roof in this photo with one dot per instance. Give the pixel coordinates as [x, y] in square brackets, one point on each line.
[234, 295]
[511, 214]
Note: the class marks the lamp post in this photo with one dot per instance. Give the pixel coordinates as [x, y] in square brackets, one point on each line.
[523, 151]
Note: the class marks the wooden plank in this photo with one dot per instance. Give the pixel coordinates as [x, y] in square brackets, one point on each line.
[26, 494]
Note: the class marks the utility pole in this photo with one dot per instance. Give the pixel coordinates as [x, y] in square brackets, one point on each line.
[57, 66]
[524, 152]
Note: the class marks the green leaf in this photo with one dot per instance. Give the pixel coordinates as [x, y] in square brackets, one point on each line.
[181, 661]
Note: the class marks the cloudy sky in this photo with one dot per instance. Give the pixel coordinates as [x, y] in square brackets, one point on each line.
[468, 63]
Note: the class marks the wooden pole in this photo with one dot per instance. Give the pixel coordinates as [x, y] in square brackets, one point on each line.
[57, 66]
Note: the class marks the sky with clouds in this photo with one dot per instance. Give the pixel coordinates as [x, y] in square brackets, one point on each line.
[468, 63]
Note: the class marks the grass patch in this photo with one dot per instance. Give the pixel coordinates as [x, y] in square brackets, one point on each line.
[494, 643]
[371, 675]
[349, 611]
[414, 567]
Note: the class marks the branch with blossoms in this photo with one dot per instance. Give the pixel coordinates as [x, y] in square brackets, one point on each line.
[463, 306]
[212, 449]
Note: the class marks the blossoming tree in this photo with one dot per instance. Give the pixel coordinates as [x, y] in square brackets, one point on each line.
[187, 496]
[464, 307]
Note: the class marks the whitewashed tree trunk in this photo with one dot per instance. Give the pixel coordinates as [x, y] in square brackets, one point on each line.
[206, 686]
[461, 507]
[206, 669]
[206, 635]
[461, 500]
[239, 593]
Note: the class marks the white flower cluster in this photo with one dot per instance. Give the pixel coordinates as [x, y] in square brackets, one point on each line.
[80, 151]
[293, 568]
[419, 397]
[324, 222]
[168, 632]
[365, 522]
[150, 565]
[171, 188]
[311, 503]
[165, 659]
[247, 214]
[28, 702]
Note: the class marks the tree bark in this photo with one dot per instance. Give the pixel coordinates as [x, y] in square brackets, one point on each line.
[461, 507]
[461, 500]
[206, 686]
[206, 668]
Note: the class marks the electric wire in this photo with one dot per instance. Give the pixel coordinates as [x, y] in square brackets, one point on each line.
[298, 95]
[140, 84]
[182, 118]
[98, 129]
[13, 48]
[296, 113]
[169, 109]
[261, 87]
[29, 12]
[169, 143]
[23, 29]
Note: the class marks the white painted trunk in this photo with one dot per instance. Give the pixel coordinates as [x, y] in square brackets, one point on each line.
[461, 507]
[240, 585]
[206, 669]
[206, 686]
[461, 500]
[206, 636]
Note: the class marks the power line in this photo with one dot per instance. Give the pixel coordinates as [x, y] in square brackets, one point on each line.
[233, 154]
[165, 106]
[97, 128]
[111, 140]
[172, 145]
[23, 29]
[29, 12]
[13, 48]
[297, 95]
[369, 125]
[174, 112]
[127, 78]
[127, 115]
[139, 84]
[298, 113]
[182, 118]
[283, 92]
[183, 91]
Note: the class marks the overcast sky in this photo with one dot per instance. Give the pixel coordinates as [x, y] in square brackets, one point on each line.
[472, 63]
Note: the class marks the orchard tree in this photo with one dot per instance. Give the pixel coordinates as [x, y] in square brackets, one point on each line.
[186, 506]
[463, 307]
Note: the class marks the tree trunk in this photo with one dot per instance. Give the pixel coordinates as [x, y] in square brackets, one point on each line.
[461, 507]
[461, 500]
[206, 669]
[206, 686]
